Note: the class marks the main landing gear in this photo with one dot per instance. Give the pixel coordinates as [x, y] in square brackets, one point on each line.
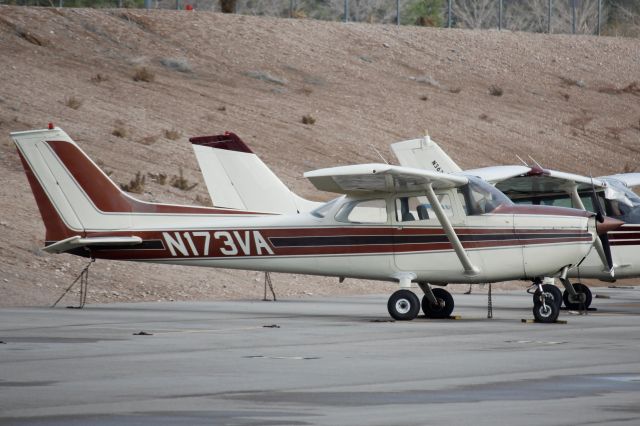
[576, 296]
[404, 305]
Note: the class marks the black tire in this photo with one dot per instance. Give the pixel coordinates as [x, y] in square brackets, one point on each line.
[571, 303]
[546, 313]
[403, 305]
[443, 310]
[552, 294]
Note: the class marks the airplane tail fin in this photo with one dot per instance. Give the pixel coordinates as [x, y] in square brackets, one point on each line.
[425, 154]
[237, 178]
[73, 194]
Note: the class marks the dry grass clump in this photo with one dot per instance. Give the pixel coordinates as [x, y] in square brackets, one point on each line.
[73, 102]
[144, 74]
[135, 185]
[204, 201]
[580, 122]
[120, 130]
[485, 117]
[222, 108]
[495, 90]
[160, 178]
[308, 119]
[455, 90]
[181, 182]
[99, 78]
[172, 134]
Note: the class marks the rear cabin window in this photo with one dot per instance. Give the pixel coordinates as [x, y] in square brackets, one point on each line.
[363, 211]
[417, 209]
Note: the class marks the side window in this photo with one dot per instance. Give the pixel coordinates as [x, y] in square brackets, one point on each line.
[417, 209]
[366, 211]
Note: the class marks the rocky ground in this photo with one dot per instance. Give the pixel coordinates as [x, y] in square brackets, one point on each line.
[570, 102]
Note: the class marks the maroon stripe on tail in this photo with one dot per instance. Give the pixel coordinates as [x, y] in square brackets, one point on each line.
[229, 141]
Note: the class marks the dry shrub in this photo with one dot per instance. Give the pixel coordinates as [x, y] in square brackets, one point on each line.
[299, 14]
[73, 102]
[424, 98]
[172, 134]
[629, 168]
[120, 130]
[101, 164]
[160, 178]
[182, 183]
[614, 132]
[135, 185]
[308, 119]
[495, 90]
[485, 117]
[306, 90]
[455, 90]
[144, 74]
[565, 96]
[222, 108]
[99, 78]
[30, 37]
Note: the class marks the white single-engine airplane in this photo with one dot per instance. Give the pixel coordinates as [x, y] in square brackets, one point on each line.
[534, 185]
[392, 223]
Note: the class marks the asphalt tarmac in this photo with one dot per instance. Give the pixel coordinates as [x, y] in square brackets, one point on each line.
[321, 361]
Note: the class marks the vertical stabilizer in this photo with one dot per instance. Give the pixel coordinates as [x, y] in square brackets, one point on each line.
[424, 154]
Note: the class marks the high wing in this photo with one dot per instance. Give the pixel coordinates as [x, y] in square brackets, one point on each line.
[629, 179]
[380, 178]
[237, 178]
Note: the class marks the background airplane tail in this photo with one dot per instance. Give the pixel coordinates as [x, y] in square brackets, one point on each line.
[424, 154]
[237, 178]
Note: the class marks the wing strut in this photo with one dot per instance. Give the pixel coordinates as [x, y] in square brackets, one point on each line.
[469, 268]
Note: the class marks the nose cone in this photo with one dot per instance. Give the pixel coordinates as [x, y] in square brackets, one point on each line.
[608, 224]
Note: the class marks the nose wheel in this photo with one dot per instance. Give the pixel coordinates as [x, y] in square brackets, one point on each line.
[403, 305]
[546, 303]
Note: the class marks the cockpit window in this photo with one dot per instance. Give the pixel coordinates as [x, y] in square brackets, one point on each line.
[325, 208]
[363, 211]
[478, 197]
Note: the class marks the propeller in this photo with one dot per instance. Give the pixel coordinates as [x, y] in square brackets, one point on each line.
[604, 225]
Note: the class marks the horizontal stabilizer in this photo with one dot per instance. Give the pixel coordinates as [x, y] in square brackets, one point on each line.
[78, 242]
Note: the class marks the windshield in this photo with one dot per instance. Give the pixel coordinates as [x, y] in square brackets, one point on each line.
[325, 208]
[481, 197]
[627, 210]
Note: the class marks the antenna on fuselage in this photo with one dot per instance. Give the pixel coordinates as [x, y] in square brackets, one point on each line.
[522, 161]
[378, 152]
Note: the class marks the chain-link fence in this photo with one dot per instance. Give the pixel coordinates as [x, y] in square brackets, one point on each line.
[551, 16]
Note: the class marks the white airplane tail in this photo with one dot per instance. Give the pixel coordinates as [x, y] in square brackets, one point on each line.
[237, 178]
[77, 200]
[424, 154]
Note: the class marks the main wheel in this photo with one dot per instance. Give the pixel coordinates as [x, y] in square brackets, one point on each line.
[552, 294]
[444, 307]
[547, 312]
[403, 305]
[582, 301]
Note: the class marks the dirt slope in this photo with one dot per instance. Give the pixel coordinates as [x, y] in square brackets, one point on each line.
[364, 84]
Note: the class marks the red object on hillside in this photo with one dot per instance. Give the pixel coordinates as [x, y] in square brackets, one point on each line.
[189, 7]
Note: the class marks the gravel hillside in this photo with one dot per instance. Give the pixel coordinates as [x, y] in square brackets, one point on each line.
[569, 102]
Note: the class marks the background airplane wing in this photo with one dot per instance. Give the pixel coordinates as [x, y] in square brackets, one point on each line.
[629, 179]
[380, 178]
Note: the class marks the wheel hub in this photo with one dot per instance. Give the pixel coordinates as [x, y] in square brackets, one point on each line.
[545, 310]
[403, 306]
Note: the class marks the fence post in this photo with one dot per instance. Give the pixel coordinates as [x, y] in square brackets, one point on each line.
[499, 15]
[346, 10]
[147, 4]
[599, 14]
[61, 3]
[573, 16]
[397, 12]
[449, 14]
[549, 17]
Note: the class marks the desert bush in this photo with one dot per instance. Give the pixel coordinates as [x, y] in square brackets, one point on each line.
[632, 88]
[172, 134]
[495, 90]
[203, 201]
[120, 130]
[73, 102]
[135, 185]
[308, 119]
[181, 182]
[160, 178]
[144, 74]
[148, 140]
[99, 78]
